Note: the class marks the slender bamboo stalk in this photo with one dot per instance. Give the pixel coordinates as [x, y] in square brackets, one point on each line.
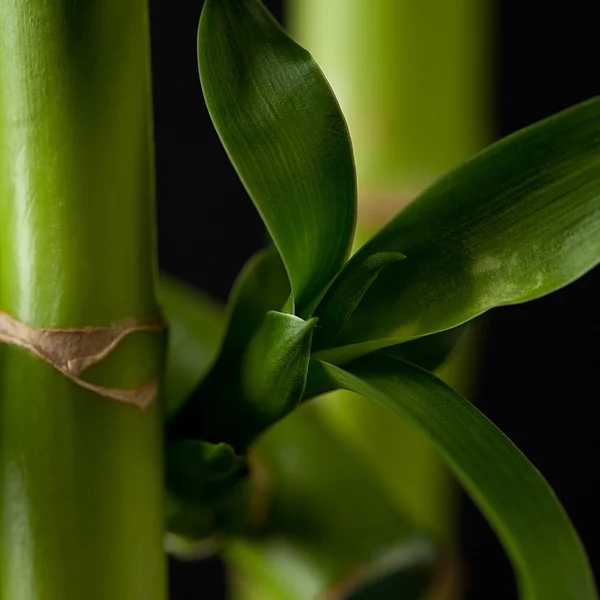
[411, 78]
[81, 506]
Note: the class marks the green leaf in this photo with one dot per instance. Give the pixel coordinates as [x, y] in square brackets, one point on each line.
[258, 378]
[261, 286]
[428, 352]
[517, 221]
[196, 329]
[285, 134]
[261, 370]
[204, 474]
[345, 294]
[200, 329]
[275, 365]
[544, 548]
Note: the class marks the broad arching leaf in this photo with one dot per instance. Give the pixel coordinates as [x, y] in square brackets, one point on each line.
[519, 220]
[286, 136]
[544, 548]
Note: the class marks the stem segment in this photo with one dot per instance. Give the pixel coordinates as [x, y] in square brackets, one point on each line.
[81, 508]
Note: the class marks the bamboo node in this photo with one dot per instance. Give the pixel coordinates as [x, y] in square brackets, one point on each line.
[71, 351]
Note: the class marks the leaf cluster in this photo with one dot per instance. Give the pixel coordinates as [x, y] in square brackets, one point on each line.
[515, 222]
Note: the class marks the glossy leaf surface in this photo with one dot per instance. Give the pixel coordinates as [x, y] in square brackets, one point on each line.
[545, 550]
[515, 222]
[286, 136]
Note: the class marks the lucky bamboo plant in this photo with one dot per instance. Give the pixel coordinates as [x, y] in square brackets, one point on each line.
[82, 357]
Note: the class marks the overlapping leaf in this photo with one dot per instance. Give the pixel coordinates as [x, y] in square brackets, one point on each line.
[286, 136]
[207, 480]
[519, 220]
[260, 373]
[516, 222]
[208, 435]
[537, 534]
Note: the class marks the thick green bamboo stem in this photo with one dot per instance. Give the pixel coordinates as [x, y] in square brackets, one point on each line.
[81, 507]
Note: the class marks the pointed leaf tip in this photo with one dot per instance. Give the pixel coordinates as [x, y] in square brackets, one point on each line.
[515, 222]
[286, 136]
[521, 506]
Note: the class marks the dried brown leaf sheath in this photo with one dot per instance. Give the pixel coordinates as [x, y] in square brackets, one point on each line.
[72, 351]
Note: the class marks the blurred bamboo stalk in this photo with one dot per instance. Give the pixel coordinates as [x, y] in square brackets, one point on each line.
[412, 80]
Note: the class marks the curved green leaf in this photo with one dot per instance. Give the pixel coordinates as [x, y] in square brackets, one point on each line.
[286, 136]
[275, 365]
[196, 329]
[515, 222]
[545, 550]
[206, 478]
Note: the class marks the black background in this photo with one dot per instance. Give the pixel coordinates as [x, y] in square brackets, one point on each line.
[541, 366]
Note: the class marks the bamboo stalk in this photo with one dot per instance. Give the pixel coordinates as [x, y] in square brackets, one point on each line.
[80, 474]
[411, 79]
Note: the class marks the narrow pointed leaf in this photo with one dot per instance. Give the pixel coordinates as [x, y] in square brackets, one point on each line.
[544, 548]
[517, 221]
[196, 329]
[286, 136]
